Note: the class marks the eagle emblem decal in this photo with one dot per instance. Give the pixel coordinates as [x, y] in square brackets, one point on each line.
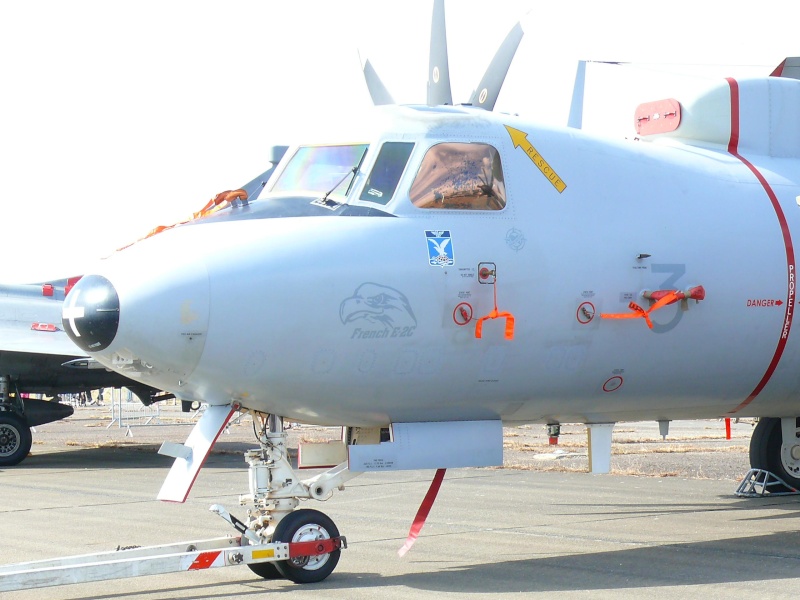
[384, 311]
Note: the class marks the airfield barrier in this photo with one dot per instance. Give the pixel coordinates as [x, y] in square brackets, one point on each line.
[127, 411]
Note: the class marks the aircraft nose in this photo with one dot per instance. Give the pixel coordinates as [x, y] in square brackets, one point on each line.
[149, 323]
[91, 313]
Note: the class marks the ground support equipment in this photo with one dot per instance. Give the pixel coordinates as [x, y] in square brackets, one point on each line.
[155, 560]
[757, 483]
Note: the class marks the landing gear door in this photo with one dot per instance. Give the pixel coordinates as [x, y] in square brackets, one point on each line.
[189, 457]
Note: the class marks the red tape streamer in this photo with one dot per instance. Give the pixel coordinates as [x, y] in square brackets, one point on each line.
[666, 297]
[496, 314]
[422, 513]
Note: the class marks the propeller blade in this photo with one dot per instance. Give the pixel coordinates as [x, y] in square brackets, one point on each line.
[438, 67]
[576, 107]
[377, 91]
[485, 96]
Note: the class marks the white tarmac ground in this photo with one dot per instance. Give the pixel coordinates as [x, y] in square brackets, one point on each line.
[496, 533]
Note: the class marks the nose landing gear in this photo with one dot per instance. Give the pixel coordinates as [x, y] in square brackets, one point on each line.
[275, 492]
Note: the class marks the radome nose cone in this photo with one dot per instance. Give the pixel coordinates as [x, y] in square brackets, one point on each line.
[91, 313]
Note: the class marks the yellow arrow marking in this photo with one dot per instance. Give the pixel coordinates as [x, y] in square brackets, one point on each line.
[520, 140]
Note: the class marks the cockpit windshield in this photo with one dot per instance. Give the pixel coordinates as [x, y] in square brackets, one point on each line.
[321, 170]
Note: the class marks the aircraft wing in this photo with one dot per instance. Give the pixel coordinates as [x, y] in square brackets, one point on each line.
[30, 321]
[17, 338]
[34, 348]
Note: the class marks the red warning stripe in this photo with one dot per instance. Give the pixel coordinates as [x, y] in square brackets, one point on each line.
[733, 149]
[204, 560]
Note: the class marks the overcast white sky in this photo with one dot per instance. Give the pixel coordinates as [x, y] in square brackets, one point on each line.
[117, 117]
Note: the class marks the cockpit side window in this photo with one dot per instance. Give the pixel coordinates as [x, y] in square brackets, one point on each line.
[460, 176]
[320, 169]
[386, 172]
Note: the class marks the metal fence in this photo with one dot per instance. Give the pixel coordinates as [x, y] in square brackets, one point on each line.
[127, 411]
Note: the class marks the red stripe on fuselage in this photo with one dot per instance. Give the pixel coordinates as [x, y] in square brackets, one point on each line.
[733, 148]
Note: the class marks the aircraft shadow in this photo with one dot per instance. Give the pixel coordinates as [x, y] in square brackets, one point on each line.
[732, 560]
[140, 455]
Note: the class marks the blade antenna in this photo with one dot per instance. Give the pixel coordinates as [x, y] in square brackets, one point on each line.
[438, 67]
[377, 91]
[485, 95]
[576, 107]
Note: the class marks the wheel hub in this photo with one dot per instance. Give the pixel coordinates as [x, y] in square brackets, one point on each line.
[795, 452]
[9, 440]
[790, 455]
[310, 533]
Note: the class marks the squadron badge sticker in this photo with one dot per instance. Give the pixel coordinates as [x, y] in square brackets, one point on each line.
[440, 248]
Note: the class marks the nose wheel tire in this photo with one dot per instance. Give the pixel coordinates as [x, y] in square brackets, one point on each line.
[15, 439]
[265, 570]
[307, 525]
[766, 453]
